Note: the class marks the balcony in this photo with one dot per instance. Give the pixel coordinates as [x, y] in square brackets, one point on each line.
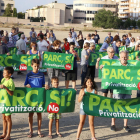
[123, 16]
[124, 8]
[124, 12]
[124, 0]
[124, 4]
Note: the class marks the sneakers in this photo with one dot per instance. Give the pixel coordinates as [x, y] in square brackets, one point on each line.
[113, 128]
[127, 129]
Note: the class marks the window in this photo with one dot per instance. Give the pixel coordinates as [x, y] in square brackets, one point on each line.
[2, 4]
[2, 11]
[69, 20]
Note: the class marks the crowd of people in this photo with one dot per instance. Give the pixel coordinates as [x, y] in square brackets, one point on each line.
[38, 43]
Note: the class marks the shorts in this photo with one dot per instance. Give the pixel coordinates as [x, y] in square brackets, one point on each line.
[121, 96]
[54, 116]
[106, 90]
[71, 75]
[82, 112]
[8, 114]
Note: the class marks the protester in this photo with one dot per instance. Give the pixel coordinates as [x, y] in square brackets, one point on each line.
[121, 93]
[84, 61]
[109, 36]
[66, 45]
[116, 37]
[54, 116]
[35, 79]
[116, 46]
[72, 74]
[93, 37]
[97, 38]
[20, 44]
[111, 55]
[88, 39]
[7, 84]
[91, 68]
[31, 32]
[47, 31]
[33, 38]
[137, 43]
[42, 46]
[51, 71]
[71, 39]
[123, 43]
[34, 50]
[127, 40]
[52, 36]
[49, 38]
[40, 33]
[74, 34]
[129, 36]
[78, 37]
[105, 45]
[88, 86]
[81, 41]
[132, 42]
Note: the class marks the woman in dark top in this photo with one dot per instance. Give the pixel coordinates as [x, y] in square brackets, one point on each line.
[72, 74]
[51, 71]
[81, 41]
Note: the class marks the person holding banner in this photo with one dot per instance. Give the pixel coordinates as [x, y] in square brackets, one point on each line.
[51, 71]
[111, 55]
[91, 69]
[84, 61]
[122, 93]
[88, 86]
[105, 45]
[7, 84]
[35, 79]
[88, 39]
[72, 74]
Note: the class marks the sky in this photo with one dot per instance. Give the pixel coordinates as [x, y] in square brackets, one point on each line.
[23, 5]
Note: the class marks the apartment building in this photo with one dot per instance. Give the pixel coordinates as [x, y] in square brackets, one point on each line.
[53, 13]
[3, 4]
[129, 9]
[85, 10]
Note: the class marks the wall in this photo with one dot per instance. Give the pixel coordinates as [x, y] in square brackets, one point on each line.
[68, 15]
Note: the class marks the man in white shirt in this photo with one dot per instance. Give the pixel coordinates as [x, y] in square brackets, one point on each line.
[88, 39]
[74, 34]
[20, 44]
[71, 39]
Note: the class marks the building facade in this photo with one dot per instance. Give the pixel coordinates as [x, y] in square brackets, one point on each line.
[3, 4]
[85, 10]
[54, 13]
[129, 9]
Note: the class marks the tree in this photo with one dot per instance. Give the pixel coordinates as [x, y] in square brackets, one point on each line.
[21, 15]
[8, 11]
[14, 12]
[133, 23]
[106, 19]
[127, 23]
[138, 23]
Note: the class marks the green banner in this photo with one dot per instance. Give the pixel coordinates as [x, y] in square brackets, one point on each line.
[78, 50]
[93, 58]
[96, 105]
[27, 100]
[120, 77]
[129, 49]
[108, 62]
[58, 60]
[16, 60]
[12, 50]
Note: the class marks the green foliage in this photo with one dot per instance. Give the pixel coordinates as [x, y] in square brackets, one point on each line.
[106, 19]
[15, 12]
[138, 23]
[8, 11]
[21, 15]
[127, 23]
[133, 23]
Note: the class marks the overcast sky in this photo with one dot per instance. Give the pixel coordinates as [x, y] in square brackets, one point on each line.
[23, 5]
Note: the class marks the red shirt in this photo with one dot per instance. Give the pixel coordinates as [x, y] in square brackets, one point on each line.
[67, 47]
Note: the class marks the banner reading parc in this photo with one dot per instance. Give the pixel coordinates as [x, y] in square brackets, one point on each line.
[16, 60]
[109, 62]
[121, 77]
[96, 105]
[58, 60]
[27, 100]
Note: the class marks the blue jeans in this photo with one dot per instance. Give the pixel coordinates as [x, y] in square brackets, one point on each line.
[1, 75]
[84, 73]
[138, 93]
